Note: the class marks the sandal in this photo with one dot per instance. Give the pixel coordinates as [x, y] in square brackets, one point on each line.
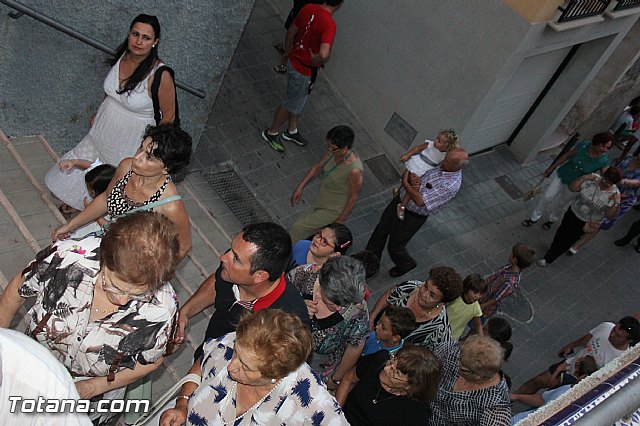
[547, 225]
[400, 211]
[527, 222]
[67, 209]
[279, 47]
[280, 69]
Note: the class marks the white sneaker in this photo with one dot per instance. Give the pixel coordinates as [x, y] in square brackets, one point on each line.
[542, 263]
[572, 251]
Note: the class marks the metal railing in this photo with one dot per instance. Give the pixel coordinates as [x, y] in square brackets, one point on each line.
[578, 9]
[626, 4]
[24, 10]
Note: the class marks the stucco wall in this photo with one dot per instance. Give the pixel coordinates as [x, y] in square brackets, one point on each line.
[431, 62]
[51, 83]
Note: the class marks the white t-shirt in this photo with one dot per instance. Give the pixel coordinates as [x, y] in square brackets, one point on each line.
[598, 347]
[28, 370]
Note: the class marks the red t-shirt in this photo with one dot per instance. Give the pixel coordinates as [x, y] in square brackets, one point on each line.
[315, 27]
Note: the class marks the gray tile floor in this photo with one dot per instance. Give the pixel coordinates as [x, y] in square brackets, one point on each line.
[474, 233]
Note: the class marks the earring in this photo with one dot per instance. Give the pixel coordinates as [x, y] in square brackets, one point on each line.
[273, 381]
[154, 45]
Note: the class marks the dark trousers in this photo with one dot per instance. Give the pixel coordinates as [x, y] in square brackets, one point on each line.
[398, 232]
[567, 234]
[633, 232]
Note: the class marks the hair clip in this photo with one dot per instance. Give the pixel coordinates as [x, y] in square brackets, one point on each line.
[345, 244]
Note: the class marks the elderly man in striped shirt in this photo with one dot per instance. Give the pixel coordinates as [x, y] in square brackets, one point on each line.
[437, 187]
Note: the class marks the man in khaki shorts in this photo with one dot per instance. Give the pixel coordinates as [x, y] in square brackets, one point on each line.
[307, 48]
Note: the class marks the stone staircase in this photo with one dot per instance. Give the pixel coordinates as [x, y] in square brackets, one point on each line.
[29, 213]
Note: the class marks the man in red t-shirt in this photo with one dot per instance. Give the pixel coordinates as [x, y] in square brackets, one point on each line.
[307, 47]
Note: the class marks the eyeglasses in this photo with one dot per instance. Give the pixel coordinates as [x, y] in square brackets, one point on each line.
[144, 297]
[334, 148]
[392, 363]
[322, 240]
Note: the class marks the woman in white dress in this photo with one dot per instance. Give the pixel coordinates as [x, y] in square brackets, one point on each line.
[127, 109]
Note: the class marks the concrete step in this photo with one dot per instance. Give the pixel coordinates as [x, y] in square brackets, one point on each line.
[29, 214]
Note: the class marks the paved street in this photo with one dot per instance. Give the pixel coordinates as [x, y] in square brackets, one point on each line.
[474, 233]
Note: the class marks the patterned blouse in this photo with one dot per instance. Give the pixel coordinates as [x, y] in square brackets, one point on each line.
[332, 334]
[63, 284]
[427, 333]
[483, 407]
[118, 203]
[300, 398]
[592, 201]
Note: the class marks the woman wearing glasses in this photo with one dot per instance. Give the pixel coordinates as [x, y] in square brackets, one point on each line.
[395, 392]
[331, 240]
[334, 294]
[472, 391]
[104, 307]
[342, 174]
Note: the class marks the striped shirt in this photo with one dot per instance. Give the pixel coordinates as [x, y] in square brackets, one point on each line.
[444, 186]
[482, 407]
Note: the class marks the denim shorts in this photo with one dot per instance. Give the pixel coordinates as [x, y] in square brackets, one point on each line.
[297, 90]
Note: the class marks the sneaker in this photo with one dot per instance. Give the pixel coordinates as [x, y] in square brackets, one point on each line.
[294, 137]
[400, 211]
[542, 263]
[274, 141]
[572, 251]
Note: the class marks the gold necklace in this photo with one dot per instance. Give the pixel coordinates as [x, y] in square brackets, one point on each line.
[426, 316]
[105, 311]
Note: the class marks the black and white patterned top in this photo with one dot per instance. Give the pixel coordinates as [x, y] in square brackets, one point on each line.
[427, 333]
[483, 407]
[118, 203]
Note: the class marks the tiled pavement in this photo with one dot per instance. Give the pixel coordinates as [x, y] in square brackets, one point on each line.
[473, 234]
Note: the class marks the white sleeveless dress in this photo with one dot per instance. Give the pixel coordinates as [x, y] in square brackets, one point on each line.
[116, 134]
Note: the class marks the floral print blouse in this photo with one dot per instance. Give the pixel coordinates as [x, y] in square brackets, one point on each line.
[63, 283]
[300, 398]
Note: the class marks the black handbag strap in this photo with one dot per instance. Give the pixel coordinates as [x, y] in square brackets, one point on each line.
[157, 114]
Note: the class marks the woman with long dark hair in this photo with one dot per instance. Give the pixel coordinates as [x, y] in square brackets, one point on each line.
[127, 109]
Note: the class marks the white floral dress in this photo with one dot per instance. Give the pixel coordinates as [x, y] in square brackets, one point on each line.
[299, 398]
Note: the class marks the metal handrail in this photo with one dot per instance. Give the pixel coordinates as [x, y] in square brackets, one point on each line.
[578, 9]
[22, 9]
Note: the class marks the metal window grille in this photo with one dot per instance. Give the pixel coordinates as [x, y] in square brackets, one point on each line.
[578, 9]
[632, 73]
[626, 4]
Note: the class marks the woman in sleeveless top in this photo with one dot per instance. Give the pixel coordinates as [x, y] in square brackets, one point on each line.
[145, 182]
[342, 173]
[124, 114]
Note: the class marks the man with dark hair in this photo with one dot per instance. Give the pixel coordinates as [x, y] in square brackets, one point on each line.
[250, 278]
[604, 343]
[307, 48]
[437, 187]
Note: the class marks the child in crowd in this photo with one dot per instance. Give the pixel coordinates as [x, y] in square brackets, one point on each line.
[425, 157]
[584, 367]
[395, 324]
[466, 307]
[502, 283]
[97, 177]
[500, 330]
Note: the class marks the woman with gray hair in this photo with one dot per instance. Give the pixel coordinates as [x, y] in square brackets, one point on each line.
[334, 295]
[472, 390]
